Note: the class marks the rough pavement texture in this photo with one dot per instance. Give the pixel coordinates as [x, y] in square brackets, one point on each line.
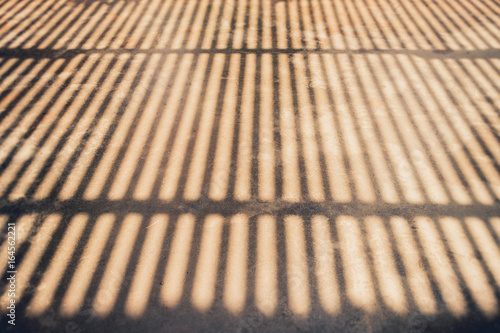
[251, 165]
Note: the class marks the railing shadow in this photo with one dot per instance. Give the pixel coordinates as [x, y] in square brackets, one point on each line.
[197, 165]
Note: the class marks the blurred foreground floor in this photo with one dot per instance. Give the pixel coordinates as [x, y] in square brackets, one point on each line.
[251, 165]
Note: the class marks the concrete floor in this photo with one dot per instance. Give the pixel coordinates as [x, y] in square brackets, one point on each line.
[250, 165]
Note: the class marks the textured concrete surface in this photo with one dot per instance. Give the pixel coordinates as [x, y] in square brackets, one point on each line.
[250, 165]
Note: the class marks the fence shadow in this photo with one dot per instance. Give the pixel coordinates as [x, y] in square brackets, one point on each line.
[251, 165]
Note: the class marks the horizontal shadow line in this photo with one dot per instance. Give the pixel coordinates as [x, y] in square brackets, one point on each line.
[231, 207]
[424, 54]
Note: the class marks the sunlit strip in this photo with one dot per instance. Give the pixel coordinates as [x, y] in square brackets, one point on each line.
[422, 31]
[74, 296]
[3, 222]
[471, 139]
[417, 170]
[22, 8]
[194, 29]
[35, 18]
[145, 273]
[17, 67]
[325, 266]
[319, 24]
[266, 155]
[469, 266]
[415, 272]
[23, 230]
[152, 165]
[31, 260]
[362, 93]
[167, 30]
[436, 146]
[329, 135]
[485, 241]
[47, 287]
[359, 172]
[9, 9]
[347, 27]
[485, 80]
[390, 284]
[494, 223]
[134, 32]
[224, 149]
[119, 17]
[243, 181]
[308, 133]
[115, 271]
[185, 129]
[141, 16]
[4, 5]
[386, 37]
[178, 261]
[225, 28]
[85, 32]
[294, 29]
[401, 159]
[309, 35]
[212, 25]
[375, 30]
[252, 33]
[429, 137]
[266, 270]
[183, 25]
[104, 91]
[333, 26]
[150, 39]
[400, 25]
[152, 107]
[207, 267]
[28, 116]
[102, 171]
[73, 30]
[30, 149]
[57, 32]
[235, 286]
[468, 17]
[198, 162]
[487, 8]
[440, 266]
[442, 116]
[105, 24]
[41, 28]
[239, 27]
[377, 108]
[15, 112]
[4, 61]
[359, 283]
[443, 18]
[266, 38]
[74, 180]
[289, 144]
[280, 24]
[297, 266]
[490, 71]
[359, 24]
[183, 134]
